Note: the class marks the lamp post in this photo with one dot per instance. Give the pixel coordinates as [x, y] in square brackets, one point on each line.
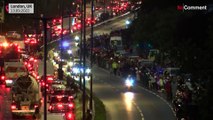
[84, 60]
[81, 38]
[91, 54]
[60, 71]
[45, 67]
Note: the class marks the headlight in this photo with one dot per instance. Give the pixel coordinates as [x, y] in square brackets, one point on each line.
[9, 81]
[55, 54]
[70, 63]
[88, 71]
[75, 70]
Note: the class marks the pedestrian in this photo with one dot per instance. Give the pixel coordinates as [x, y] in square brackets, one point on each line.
[36, 115]
[161, 84]
[168, 90]
[114, 67]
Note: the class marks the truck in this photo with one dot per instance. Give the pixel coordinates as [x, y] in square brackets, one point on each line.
[13, 70]
[26, 96]
[116, 42]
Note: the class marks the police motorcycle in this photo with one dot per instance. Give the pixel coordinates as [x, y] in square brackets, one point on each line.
[129, 82]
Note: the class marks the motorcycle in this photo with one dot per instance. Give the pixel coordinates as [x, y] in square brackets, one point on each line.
[129, 83]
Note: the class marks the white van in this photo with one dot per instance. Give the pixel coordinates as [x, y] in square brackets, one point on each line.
[172, 71]
[116, 41]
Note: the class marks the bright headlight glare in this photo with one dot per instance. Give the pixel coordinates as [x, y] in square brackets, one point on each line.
[55, 54]
[9, 81]
[69, 51]
[75, 70]
[70, 63]
[88, 70]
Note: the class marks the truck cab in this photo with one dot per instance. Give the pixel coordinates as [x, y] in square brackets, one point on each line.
[13, 70]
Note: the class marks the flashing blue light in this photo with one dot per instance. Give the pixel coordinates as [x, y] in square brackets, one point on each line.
[65, 44]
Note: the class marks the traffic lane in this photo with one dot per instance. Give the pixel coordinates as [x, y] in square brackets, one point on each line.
[151, 106]
[5, 112]
[145, 100]
[102, 29]
[118, 104]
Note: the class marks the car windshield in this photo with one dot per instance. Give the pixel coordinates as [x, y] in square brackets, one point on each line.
[59, 100]
[15, 69]
[11, 69]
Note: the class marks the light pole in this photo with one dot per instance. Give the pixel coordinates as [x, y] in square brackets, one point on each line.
[81, 38]
[45, 66]
[60, 71]
[91, 54]
[84, 61]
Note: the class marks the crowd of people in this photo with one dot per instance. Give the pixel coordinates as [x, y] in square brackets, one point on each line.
[176, 89]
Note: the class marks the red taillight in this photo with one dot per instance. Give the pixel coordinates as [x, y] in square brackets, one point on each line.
[37, 77]
[28, 65]
[50, 107]
[59, 97]
[49, 78]
[13, 107]
[70, 97]
[70, 116]
[42, 83]
[35, 106]
[60, 105]
[71, 105]
[2, 77]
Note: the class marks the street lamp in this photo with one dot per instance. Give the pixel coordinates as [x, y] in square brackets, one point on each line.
[77, 38]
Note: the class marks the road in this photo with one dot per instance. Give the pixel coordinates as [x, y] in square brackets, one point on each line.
[139, 104]
[121, 104]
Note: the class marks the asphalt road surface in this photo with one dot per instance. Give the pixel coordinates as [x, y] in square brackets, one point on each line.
[122, 104]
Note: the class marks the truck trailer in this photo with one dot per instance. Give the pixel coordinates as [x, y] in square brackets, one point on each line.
[26, 96]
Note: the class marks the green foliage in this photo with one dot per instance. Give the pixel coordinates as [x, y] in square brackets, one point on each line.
[100, 112]
[186, 36]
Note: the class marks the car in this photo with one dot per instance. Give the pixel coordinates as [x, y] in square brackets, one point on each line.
[77, 69]
[70, 93]
[50, 78]
[13, 34]
[60, 104]
[2, 39]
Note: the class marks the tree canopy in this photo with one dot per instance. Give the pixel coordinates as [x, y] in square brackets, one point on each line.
[186, 36]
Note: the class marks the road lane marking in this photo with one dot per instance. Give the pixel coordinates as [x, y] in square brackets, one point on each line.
[160, 98]
[139, 110]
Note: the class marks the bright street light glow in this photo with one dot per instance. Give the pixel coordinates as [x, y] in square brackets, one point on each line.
[55, 54]
[69, 51]
[127, 22]
[5, 44]
[65, 44]
[88, 71]
[77, 38]
[70, 63]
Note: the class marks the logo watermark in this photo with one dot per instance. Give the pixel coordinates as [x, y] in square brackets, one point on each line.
[21, 8]
[184, 7]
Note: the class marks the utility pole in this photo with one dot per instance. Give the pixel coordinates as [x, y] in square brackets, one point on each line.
[84, 62]
[44, 20]
[81, 40]
[60, 71]
[91, 55]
